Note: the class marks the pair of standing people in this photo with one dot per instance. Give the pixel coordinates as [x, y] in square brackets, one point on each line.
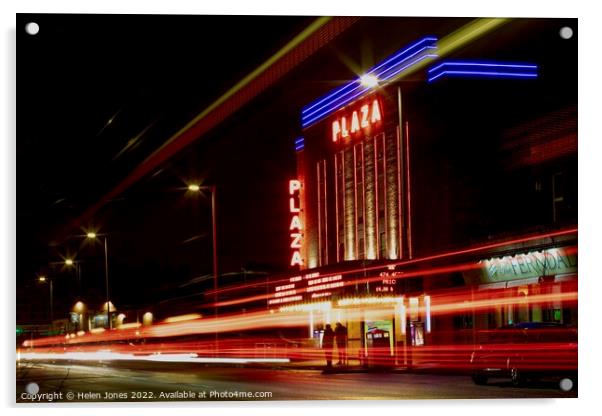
[338, 335]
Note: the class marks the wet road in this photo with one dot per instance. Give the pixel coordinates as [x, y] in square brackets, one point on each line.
[141, 381]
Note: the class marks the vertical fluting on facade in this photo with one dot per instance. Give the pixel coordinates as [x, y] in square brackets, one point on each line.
[370, 201]
[349, 174]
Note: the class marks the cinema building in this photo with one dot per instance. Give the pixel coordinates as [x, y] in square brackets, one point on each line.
[431, 181]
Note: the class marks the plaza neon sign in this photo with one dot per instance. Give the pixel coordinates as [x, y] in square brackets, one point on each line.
[360, 119]
[295, 227]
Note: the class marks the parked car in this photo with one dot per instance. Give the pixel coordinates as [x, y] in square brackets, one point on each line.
[526, 351]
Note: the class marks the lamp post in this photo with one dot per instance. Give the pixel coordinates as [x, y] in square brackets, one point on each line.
[212, 189]
[69, 262]
[93, 236]
[44, 279]
[79, 308]
[77, 266]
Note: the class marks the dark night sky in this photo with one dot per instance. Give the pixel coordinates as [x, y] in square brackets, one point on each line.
[150, 75]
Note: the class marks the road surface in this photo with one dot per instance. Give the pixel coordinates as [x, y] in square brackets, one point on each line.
[142, 381]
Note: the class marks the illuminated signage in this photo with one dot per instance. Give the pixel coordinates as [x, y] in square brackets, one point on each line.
[533, 264]
[359, 120]
[284, 300]
[295, 227]
[388, 283]
[305, 287]
[321, 295]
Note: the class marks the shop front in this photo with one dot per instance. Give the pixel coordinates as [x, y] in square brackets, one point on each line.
[379, 326]
[542, 285]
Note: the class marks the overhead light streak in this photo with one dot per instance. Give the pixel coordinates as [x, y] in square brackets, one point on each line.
[170, 358]
[402, 263]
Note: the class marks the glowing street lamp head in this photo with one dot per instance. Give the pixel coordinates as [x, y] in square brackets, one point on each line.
[91, 235]
[111, 306]
[79, 306]
[369, 80]
[42, 278]
[147, 318]
[194, 187]
[69, 262]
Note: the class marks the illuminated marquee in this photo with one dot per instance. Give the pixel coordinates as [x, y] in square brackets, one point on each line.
[306, 288]
[360, 119]
[294, 187]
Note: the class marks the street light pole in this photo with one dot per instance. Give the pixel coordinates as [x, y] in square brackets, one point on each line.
[214, 225]
[213, 190]
[92, 235]
[51, 306]
[107, 283]
[44, 279]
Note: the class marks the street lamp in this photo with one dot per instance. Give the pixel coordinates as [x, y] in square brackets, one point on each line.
[92, 236]
[69, 262]
[79, 309]
[194, 187]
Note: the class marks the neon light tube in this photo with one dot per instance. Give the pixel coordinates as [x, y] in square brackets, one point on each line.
[485, 69]
[348, 85]
[307, 121]
[384, 71]
[458, 63]
[486, 74]
[380, 75]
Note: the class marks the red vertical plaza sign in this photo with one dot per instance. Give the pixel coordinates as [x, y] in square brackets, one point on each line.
[295, 227]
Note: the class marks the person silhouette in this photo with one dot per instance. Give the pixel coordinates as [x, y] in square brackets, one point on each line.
[340, 336]
[328, 344]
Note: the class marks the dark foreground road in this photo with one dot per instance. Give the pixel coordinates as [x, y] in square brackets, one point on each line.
[141, 381]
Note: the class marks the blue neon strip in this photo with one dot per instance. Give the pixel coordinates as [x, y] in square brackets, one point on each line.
[383, 74]
[384, 71]
[430, 55]
[357, 83]
[348, 99]
[330, 99]
[335, 102]
[483, 69]
[390, 62]
[466, 63]
[485, 74]
[299, 144]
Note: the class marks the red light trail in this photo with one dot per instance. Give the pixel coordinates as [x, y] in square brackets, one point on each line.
[448, 254]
